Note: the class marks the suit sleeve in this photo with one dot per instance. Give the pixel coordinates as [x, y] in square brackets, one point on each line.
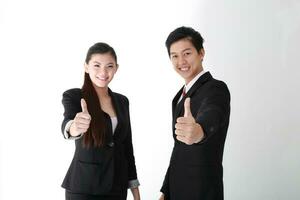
[165, 187]
[70, 109]
[214, 110]
[132, 175]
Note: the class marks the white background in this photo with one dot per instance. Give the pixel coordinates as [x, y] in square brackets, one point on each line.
[252, 45]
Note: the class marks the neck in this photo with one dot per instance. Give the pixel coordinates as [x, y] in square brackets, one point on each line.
[189, 80]
[102, 92]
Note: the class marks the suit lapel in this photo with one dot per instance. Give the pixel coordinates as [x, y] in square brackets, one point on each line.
[178, 108]
[116, 103]
[175, 102]
[202, 79]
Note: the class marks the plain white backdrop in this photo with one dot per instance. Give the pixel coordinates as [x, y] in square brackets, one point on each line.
[251, 45]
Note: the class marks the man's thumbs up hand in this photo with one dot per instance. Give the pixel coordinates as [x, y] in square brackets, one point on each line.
[187, 129]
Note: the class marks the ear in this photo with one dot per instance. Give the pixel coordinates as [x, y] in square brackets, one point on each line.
[117, 68]
[202, 53]
[86, 67]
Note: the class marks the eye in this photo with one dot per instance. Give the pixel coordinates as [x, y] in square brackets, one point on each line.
[96, 65]
[174, 56]
[110, 66]
[187, 53]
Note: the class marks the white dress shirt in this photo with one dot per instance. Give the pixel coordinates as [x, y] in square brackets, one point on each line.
[191, 83]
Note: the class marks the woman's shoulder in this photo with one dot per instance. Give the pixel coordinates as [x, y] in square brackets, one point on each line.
[73, 93]
[122, 97]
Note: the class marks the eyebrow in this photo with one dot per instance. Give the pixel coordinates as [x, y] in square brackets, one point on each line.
[96, 62]
[111, 63]
[187, 49]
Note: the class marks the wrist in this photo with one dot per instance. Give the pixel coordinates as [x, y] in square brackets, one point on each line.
[135, 193]
[72, 130]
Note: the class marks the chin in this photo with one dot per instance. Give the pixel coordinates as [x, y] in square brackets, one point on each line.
[184, 75]
[101, 85]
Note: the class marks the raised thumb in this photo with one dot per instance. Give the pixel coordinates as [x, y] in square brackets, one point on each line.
[187, 107]
[84, 106]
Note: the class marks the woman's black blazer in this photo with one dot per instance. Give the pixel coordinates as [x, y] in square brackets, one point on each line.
[104, 170]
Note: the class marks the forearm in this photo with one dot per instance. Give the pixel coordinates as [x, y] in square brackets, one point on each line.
[135, 193]
[132, 174]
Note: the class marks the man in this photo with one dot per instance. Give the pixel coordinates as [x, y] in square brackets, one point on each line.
[200, 120]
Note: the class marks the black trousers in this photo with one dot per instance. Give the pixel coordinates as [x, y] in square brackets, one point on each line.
[76, 196]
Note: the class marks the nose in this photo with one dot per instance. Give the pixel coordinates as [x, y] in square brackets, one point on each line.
[181, 60]
[102, 71]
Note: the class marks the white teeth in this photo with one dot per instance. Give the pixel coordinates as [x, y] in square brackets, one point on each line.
[184, 69]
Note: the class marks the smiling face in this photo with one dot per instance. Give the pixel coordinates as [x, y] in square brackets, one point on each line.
[187, 61]
[101, 69]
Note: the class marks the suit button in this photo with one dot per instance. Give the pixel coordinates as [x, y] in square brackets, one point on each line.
[111, 144]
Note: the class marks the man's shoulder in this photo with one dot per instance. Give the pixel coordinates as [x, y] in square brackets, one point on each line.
[218, 83]
[215, 85]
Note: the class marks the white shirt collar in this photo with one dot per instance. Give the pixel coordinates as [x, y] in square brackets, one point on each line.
[191, 83]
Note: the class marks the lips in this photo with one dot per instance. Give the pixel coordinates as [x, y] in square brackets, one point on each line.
[183, 69]
[102, 78]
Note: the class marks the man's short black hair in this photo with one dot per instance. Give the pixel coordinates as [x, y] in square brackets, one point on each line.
[185, 33]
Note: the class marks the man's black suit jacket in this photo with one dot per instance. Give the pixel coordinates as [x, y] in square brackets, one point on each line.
[195, 171]
[104, 170]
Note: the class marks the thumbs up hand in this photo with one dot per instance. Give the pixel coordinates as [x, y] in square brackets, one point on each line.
[187, 129]
[81, 121]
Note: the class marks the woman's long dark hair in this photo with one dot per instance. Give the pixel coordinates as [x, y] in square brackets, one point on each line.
[95, 135]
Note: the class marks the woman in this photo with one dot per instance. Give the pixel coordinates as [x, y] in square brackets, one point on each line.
[103, 166]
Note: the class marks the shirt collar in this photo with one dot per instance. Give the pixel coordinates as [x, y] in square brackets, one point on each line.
[191, 83]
